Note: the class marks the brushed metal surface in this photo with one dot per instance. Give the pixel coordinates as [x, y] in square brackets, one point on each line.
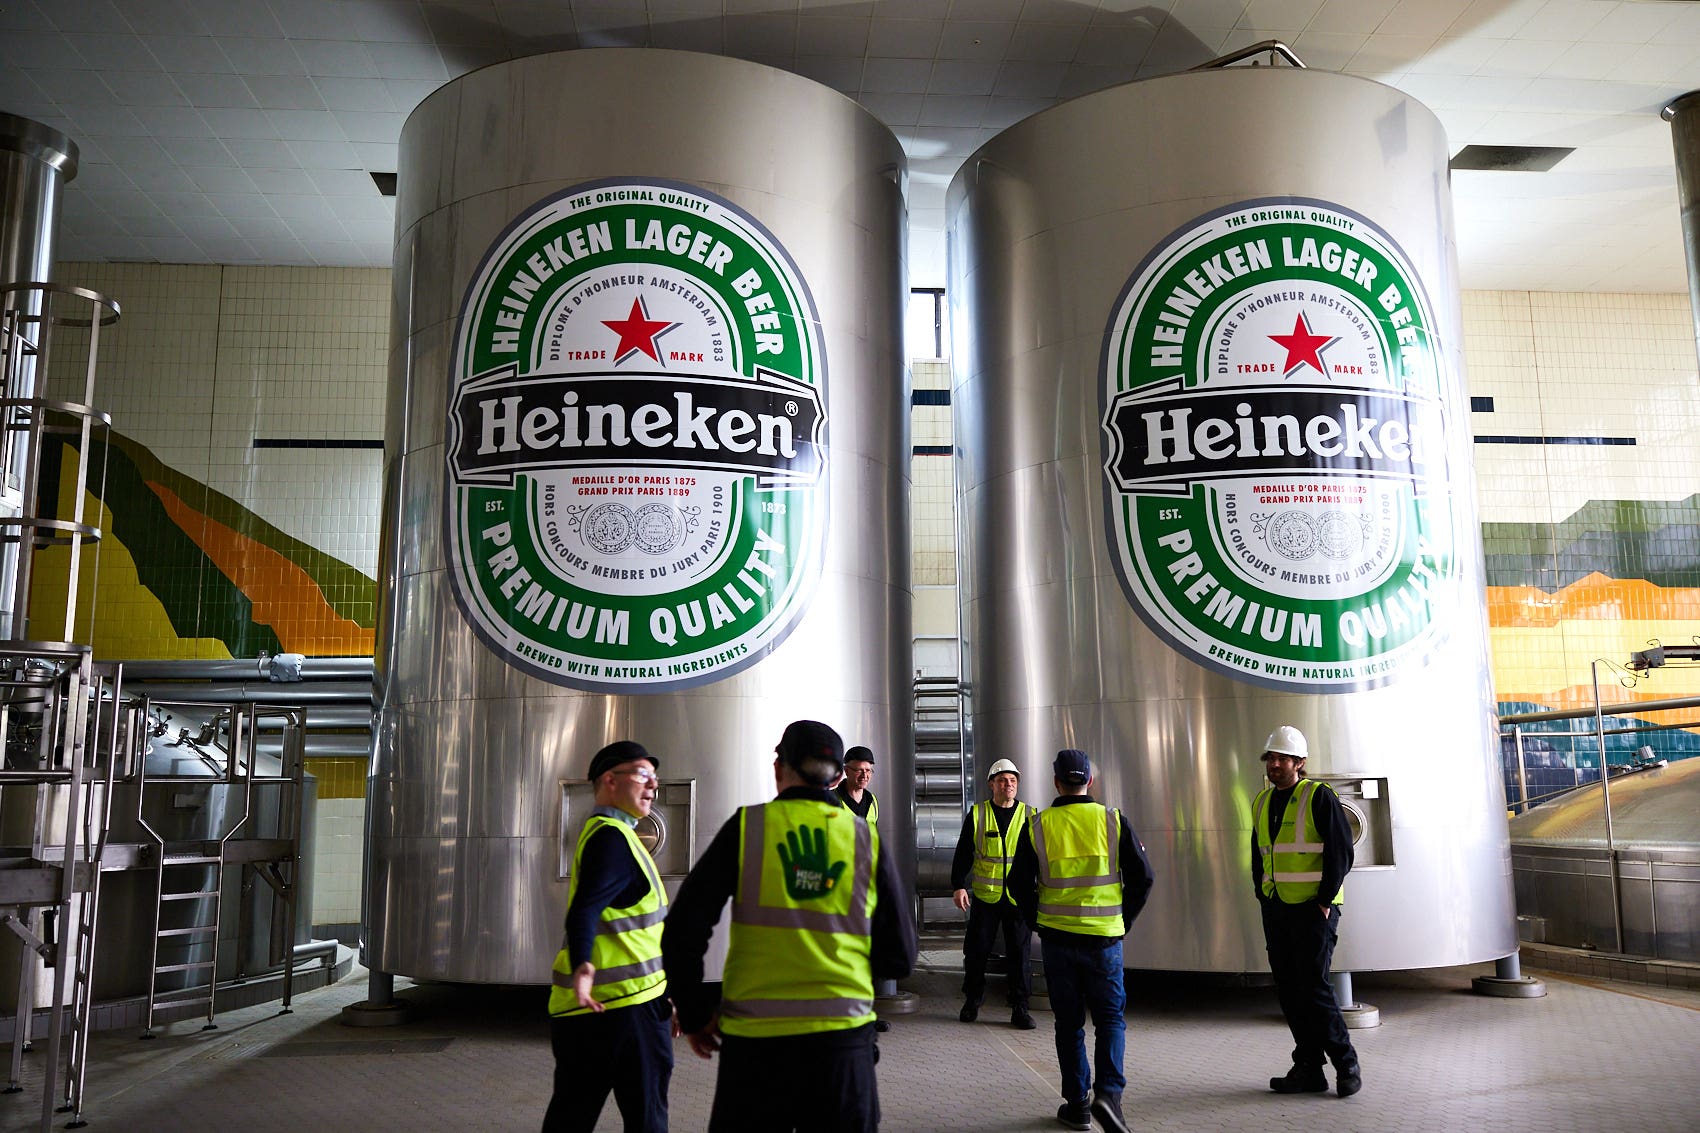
[471, 751]
[1047, 224]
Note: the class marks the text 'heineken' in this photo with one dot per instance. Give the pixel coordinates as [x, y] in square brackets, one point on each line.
[1276, 449]
[637, 453]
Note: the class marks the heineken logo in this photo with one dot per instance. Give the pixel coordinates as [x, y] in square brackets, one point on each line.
[1276, 445]
[637, 440]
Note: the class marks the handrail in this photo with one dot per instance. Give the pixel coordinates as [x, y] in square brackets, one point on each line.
[1268, 46]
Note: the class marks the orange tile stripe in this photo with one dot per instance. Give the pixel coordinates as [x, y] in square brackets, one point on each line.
[1594, 598]
[285, 597]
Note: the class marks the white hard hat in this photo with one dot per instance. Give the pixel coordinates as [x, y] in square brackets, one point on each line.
[1003, 765]
[1287, 740]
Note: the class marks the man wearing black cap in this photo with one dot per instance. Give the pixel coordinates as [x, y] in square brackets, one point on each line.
[853, 791]
[818, 913]
[1080, 875]
[610, 1019]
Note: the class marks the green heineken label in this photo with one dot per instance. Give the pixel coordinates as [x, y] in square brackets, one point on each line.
[1276, 440]
[637, 456]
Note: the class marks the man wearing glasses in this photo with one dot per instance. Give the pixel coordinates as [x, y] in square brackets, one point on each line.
[610, 1020]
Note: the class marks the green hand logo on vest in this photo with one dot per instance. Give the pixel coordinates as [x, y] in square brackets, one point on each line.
[804, 865]
[637, 444]
[1276, 450]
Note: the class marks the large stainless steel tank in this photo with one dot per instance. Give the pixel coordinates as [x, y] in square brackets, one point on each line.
[646, 475]
[1214, 476]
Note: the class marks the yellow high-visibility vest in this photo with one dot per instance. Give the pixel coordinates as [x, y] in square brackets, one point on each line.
[802, 913]
[627, 949]
[1292, 860]
[1080, 885]
[993, 850]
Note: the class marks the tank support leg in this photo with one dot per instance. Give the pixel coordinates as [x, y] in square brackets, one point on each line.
[380, 1008]
[1358, 1016]
[1508, 981]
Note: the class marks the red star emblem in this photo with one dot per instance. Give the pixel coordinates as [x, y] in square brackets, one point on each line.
[1304, 348]
[637, 332]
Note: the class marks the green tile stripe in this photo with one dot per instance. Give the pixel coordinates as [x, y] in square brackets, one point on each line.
[349, 592]
[199, 599]
[1655, 540]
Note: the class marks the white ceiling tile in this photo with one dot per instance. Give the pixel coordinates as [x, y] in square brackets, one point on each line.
[1396, 54]
[102, 122]
[239, 123]
[137, 152]
[319, 58]
[273, 182]
[257, 153]
[390, 21]
[1046, 43]
[1006, 112]
[897, 76]
[962, 76]
[318, 155]
[72, 88]
[1279, 16]
[893, 109]
[156, 226]
[1593, 60]
[407, 60]
[1350, 17]
[194, 54]
[240, 205]
[463, 22]
[1017, 79]
[904, 39]
[1493, 19]
[216, 182]
[1669, 62]
[65, 15]
[164, 17]
[186, 205]
[1104, 45]
[898, 9]
[674, 9]
[1522, 57]
[1566, 19]
[832, 35]
[198, 151]
[1328, 51]
[980, 39]
[344, 183]
[1192, 13]
[161, 182]
[312, 19]
[285, 92]
[94, 178]
[766, 33]
[355, 94]
[373, 210]
[223, 92]
[231, 250]
[954, 110]
[1083, 79]
[363, 126]
[978, 10]
[1058, 11]
[117, 52]
[40, 50]
[261, 56]
[305, 125]
[379, 157]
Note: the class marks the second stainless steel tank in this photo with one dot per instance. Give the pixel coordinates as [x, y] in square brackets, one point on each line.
[646, 476]
[1214, 476]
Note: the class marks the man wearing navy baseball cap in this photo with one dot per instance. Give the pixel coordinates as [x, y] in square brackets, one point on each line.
[1080, 875]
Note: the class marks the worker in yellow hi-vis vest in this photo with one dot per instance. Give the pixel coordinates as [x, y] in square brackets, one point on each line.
[610, 1019]
[1301, 851]
[818, 913]
[990, 833]
[1081, 875]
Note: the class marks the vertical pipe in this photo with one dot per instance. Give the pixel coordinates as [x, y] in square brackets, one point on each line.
[35, 163]
[1522, 773]
[1683, 114]
[1605, 794]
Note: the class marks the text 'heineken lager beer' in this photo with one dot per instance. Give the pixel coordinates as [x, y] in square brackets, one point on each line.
[646, 476]
[1215, 478]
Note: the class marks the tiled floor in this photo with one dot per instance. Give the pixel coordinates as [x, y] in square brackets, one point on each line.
[1592, 1055]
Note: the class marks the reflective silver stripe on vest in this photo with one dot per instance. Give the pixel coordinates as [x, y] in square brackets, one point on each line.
[627, 924]
[1082, 910]
[748, 909]
[1052, 882]
[1307, 876]
[976, 879]
[605, 976]
[1297, 847]
[796, 1008]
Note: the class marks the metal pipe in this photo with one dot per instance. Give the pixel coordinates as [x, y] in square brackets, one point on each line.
[1522, 774]
[312, 669]
[1613, 710]
[1605, 794]
[259, 692]
[1269, 46]
[1683, 114]
[1343, 990]
[1508, 967]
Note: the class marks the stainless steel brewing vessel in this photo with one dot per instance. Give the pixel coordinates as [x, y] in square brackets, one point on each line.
[646, 476]
[1214, 476]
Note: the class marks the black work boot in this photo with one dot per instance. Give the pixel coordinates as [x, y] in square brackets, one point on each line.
[1300, 1080]
[1107, 1108]
[1020, 1018]
[1074, 1115]
[970, 1011]
[1347, 1080]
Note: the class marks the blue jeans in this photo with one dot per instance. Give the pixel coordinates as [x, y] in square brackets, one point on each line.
[1087, 978]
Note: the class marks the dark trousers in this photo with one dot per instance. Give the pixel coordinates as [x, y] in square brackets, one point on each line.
[819, 1083]
[1085, 978]
[984, 922]
[628, 1050]
[1301, 948]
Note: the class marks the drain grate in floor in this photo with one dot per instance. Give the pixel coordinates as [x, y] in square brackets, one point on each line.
[357, 1046]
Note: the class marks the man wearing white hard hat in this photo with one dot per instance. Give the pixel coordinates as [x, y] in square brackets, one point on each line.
[977, 874]
[1301, 851]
